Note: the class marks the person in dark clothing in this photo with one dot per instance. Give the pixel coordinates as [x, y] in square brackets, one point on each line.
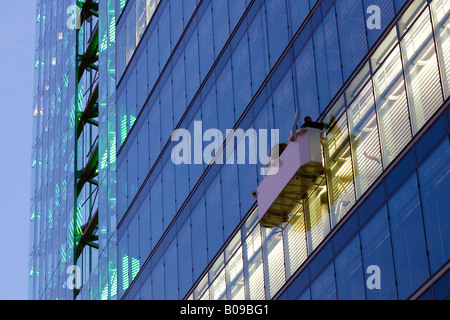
[311, 124]
[308, 124]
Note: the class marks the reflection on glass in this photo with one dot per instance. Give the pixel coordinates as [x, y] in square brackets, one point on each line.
[434, 173]
[235, 276]
[364, 140]
[317, 219]
[338, 164]
[295, 241]
[422, 74]
[441, 18]
[408, 238]
[254, 262]
[274, 261]
[392, 107]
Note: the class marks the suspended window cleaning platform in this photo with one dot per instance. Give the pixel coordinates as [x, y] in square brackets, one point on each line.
[300, 164]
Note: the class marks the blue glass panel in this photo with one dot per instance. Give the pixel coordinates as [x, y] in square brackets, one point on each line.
[158, 281]
[371, 204]
[185, 258]
[144, 230]
[278, 28]
[298, 11]
[408, 239]
[430, 138]
[206, 42]
[324, 287]
[352, 34]
[299, 284]
[259, 51]
[349, 273]
[166, 112]
[164, 35]
[170, 272]
[236, 8]
[400, 172]
[179, 90]
[154, 133]
[221, 25]
[230, 194]
[387, 13]
[324, 256]
[434, 177]
[327, 58]
[168, 195]
[143, 151]
[176, 19]
[214, 217]
[225, 104]
[283, 101]
[156, 210]
[132, 165]
[192, 67]
[199, 242]
[306, 82]
[441, 288]
[377, 251]
[345, 233]
[306, 295]
[241, 77]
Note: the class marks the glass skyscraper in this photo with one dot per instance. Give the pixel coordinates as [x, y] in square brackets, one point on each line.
[114, 216]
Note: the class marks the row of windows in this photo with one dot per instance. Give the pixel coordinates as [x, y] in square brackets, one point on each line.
[155, 126]
[341, 194]
[349, 161]
[407, 239]
[53, 156]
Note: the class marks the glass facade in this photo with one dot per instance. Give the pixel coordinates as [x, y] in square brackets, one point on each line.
[191, 231]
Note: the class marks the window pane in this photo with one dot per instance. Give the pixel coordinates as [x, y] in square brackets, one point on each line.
[259, 52]
[349, 273]
[144, 230]
[317, 218]
[306, 82]
[235, 276]
[168, 195]
[365, 140]
[156, 210]
[352, 34]
[377, 251]
[214, 217]
[338, 162]
[170, 272]
[422, 75]
[143, 151]
[206, 38]
[241, 77]
[327, 58]
[274, 258]
[254, 262]
[277, 26]
[199, 241]
[392, 107]
[408, 239]
[221, 25]
[387, 14]
[324, 287]
[185, 258]
[434, 177]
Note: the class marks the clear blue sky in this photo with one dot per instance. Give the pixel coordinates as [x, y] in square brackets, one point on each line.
[17, 25]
